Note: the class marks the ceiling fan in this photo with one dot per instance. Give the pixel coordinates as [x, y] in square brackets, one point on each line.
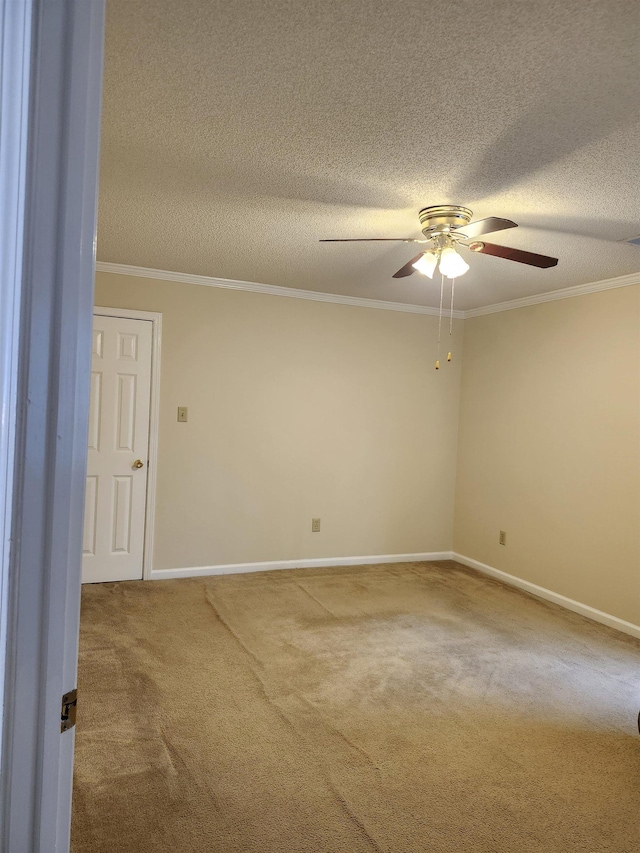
[446, 226]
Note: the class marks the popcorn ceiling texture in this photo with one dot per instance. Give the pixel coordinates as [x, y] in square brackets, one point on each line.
[235, 135]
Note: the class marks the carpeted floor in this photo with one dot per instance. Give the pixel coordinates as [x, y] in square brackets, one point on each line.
[410, 708]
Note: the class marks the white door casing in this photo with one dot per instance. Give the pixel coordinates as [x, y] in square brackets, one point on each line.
[117, 464]
[51, 56]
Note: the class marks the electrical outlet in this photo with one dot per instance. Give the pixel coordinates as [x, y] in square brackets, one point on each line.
[315, 525]
[503, 537]
[182, 414]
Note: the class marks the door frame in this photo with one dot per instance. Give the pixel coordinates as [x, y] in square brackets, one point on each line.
[51, 53]
[154, 422]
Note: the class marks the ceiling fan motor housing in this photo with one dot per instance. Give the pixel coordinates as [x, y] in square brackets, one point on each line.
[443, 218]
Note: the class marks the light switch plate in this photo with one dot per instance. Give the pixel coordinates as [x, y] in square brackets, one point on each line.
[182, 414]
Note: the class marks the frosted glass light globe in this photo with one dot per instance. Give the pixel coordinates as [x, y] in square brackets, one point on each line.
[426, 264]
[451, 264]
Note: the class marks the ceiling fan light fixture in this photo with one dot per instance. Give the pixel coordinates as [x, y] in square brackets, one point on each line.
[426, 264]
[451, 264]
[443, 226]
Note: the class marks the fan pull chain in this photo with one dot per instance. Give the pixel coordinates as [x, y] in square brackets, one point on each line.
[453, 285]
[440, 320]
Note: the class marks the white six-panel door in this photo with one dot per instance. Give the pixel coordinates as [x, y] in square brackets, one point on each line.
[116, 491]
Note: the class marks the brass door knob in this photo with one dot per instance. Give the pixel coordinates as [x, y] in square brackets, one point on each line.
[138, 463]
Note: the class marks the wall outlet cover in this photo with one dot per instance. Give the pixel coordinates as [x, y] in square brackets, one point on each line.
[315, 525]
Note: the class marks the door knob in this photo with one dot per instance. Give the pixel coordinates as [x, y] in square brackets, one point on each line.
[138, 463]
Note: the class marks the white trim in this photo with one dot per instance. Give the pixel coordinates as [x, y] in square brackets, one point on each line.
[426, 556]
[321, 562]
[154, 423]
[271, 289]
[407, 308]
[15, 40]
[554, 295]
[61, 67]
[549, 595]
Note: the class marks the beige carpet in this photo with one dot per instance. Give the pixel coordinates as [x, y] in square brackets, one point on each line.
[412, 708]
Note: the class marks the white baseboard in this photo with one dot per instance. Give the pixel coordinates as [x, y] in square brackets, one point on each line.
[321, 562]
[548, 595]
[327, 562]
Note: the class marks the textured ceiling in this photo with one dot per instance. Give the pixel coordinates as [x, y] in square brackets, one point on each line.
[236, 134]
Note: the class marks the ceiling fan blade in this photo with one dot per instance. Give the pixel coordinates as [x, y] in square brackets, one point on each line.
[373, 240]
[518, 255]
[408, 268]
[486, 226]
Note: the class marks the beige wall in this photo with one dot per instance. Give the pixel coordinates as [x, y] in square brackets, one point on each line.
[297, 409]
[300, 409]
[549, 444]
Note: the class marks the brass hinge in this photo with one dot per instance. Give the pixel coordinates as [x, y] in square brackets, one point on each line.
[69, 707]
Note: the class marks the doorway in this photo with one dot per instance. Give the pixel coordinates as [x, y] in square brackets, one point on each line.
[122, 444]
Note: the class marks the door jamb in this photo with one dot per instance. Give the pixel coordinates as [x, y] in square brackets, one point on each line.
[56, 66]
[154, 422]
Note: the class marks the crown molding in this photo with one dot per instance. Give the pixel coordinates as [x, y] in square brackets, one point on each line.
[362, 302]
[271, 289]
[554, 295]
